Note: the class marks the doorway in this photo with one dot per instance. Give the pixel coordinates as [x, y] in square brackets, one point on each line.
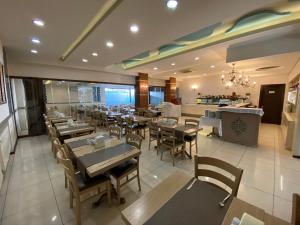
[271, 101]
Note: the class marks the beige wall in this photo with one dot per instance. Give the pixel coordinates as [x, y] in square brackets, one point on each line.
[55, 72]
[211, 85]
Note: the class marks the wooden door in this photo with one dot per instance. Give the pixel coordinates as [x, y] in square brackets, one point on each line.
[271, 101]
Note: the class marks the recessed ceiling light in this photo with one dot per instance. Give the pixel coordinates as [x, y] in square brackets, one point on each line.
[134, 28]
[155, 68]
[212, 66]
[35, 41]
[174, 73]
[95, 54]
[38, 22]
[109, 44]
[173, 64]
[196, 58]
[85, 60]
[172, 4]
[34, 51]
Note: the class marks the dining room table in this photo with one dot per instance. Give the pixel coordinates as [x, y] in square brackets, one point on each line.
[66, 131]
[172, 202]
[180, 130]
[137, 119]
[55, 119]
[93, 160]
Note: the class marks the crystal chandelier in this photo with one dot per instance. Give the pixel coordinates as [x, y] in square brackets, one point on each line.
[235, 79]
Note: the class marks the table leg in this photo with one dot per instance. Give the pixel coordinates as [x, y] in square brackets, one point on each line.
[114, 195]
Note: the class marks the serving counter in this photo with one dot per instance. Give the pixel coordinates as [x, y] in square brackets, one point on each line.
[241, 125]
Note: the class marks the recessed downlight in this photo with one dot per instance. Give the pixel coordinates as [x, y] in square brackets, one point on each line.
[196, 58]
[155, 68]
[35, 41]
[134, 28]
[212, 66]
[173, 64]
[172, 4]
[109, 44]
[34, 51]
[38, 22]
[95, 54]
[84, 60]
[174, 73]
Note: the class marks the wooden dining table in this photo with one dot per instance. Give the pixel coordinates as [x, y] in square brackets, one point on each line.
[55, 119]
[137, 119]
[93, 161]
[65, 131]
[170, 203]
[180, 129]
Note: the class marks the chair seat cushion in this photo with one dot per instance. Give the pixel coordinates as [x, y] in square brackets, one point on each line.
[118, 171]
[178, 142]
[83, 184]
[189, 138]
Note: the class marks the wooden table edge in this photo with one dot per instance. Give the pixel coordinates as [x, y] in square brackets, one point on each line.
[175, 176]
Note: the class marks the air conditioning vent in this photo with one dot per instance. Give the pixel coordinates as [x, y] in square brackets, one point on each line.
[186, 71]
[267, 68]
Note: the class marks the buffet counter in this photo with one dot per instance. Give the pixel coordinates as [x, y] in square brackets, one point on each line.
[241, 125]
[197, 109]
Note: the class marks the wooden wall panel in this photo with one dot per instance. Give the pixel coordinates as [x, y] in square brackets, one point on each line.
[142, 91]
[170, 90]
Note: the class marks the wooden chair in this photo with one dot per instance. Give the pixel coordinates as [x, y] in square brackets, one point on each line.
[232, 170]
[169, 141]
[107, 121]
[171, 118]
[122, 124]
[128, 167]
[154, 134]
[190, 138]
[79, 187]
[296, 209]
[114, 131]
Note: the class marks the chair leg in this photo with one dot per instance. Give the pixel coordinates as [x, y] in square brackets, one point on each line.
[138, 178]
[162, 152]
[71, 199]
[108, 192]
[190, 148]
[196, 145]
[77, 210]
[118, 191]
[149, 143]
[172, 153]
[66, 180]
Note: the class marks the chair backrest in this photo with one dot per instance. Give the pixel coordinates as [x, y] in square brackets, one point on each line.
[191, 122]
[69, 169]
[220, 164]
[52, 132]
[129, 121]
[134, 140]
[167, 136]
[171, 118]
[296, 209]
[153, 129]
[114, 131]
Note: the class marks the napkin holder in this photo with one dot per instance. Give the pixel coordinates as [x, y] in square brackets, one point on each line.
[97, 142]
[247, 220]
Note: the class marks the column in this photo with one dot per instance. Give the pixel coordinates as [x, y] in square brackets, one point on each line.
[141, 91]
[170, 90]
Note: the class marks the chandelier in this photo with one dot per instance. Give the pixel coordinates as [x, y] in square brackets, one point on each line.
[236, 78]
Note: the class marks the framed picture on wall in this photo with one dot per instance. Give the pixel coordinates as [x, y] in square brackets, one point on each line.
[2, 86]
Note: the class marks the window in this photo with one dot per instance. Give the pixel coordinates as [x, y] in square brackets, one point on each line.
[119, 96]
[156, 95]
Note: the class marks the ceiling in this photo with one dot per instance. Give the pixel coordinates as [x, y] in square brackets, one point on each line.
[158, 26]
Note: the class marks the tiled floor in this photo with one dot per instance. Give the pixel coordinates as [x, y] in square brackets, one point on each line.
[36, 195]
